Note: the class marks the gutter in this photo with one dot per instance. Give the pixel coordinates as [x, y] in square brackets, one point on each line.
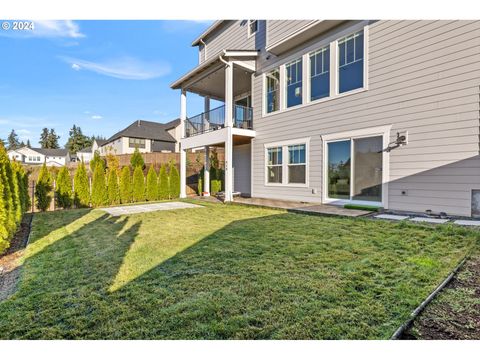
[220, 57]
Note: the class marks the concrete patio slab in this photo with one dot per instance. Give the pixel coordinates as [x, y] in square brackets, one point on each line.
[467, 222]
[391, 217]
[136, 209]
[429, 220]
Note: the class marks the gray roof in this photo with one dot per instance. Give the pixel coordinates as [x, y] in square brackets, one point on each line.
[100, 142]
[144, 129]
[51, 152]
[86, 150]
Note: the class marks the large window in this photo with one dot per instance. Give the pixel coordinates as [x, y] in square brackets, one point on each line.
[136, 143]
[293, 170]
[294, 83]
[320, 74]
[350, 62]
[273, 91]
[274, 165]
[296, 164]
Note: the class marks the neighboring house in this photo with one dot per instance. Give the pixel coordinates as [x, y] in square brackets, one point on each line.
[37, 156]
[147, 136]
[363, 112]
[85, 155]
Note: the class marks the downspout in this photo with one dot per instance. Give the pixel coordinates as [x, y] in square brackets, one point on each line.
[205, 48]
[220, 57]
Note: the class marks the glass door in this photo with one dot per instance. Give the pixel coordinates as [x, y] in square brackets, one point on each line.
[354, 169]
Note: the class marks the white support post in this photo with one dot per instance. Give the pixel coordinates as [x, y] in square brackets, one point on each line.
[183, 153]
[206, 172]
[206, 109]
[229, 95]
[229, 166]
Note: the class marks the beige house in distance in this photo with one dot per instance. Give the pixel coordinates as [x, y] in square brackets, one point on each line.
[363, 112]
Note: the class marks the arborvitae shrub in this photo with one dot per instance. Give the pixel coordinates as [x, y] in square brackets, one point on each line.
[163, 186]
[152, 186]
[216, 186]
[95, 161]
[21, 178]
[137, 159]
[99, 187]
[4, 226]
[138, 185]
[81, 187]
[43, 189]
[174, 182]
[64, 188]
[126, 185]
[113, 191]
[200, 181]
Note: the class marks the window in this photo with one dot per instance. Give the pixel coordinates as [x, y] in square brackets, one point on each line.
[296, 164]
[274, 165]
[273, 93]
[133, 143]
[320, 74]
[252, 27]
[350, 62]
[292, 171]
[294, 83]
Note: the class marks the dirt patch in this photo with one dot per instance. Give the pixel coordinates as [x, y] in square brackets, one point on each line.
[455, 313]
[10, 260]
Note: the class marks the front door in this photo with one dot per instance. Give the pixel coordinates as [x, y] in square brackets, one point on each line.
[355, 169]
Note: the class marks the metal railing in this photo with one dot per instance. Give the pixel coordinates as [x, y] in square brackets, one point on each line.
[215, 119]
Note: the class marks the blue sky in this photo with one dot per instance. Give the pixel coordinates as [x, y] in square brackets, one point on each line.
[99, 75]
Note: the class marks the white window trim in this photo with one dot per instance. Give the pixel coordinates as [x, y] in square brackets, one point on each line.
[249, 33]
[284, 145]
[334, 61]
[383, 131]
[284, 89]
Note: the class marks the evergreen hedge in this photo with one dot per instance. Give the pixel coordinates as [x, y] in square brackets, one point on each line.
[152, 186]
[137, 159]
[81, 196]
[174, 181]
[138, 185]
[126, 185]
[64, 189]
[113, 190]
[43, 189]
[163, 183]
[99, 187]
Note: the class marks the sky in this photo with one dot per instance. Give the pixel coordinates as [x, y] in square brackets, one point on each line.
[99, 75]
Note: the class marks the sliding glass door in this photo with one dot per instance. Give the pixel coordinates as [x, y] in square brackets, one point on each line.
[354, 169]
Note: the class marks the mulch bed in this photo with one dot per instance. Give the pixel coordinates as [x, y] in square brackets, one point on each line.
[455, 313]
[9, 261]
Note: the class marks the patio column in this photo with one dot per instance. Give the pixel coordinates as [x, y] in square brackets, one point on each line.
[229, 95]
[206, 172]
[183, 153]
[206, 109]
[229, 166]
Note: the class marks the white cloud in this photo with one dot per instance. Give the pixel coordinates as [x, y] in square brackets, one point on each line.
[97, 117]
[122, 68]
[48, 29]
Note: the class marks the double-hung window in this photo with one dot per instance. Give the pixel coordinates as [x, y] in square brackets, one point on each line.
[297, 165]
[350, 62]
[274, 165]
[273, 91]
[320, 74]
[294, 83]
[136, 143]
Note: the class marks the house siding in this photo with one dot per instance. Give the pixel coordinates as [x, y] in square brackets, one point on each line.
[278, 30]
[241, 169]
[424, 78]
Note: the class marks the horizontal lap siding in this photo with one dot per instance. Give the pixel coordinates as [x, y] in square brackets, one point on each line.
[424, 77]
[280, 29]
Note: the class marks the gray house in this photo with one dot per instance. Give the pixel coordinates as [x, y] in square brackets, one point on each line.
[363, 112]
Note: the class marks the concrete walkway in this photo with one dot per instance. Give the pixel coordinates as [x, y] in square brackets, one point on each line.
[311, 208]
[430, 220]
[136, 209]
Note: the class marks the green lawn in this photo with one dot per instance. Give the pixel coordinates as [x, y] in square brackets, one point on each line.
[225, 271]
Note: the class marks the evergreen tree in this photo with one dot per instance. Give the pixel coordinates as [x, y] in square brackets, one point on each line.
[113, 191]
[152, 187]
[77, 141]
[43, 189]
[163, 183]
[4, 234]
[28, 144]
[99, 187]
[138, 185]
[13, 142]
[126, 185]
[44, 138]
[7, 214]
[23, 186]
[53, 140]
[81, 186]
[174, 181]
[64, 188]
[137, 159]
[95, 161]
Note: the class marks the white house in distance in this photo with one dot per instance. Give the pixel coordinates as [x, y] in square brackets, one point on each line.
[87, 153]
[37, 156]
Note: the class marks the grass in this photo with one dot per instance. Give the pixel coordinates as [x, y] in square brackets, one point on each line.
[225, 271]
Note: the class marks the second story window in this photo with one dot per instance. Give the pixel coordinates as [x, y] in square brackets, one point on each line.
[252, 27]
[273, 93]
[350, 62]
[134, 143]
[294, 83]
[320, 74]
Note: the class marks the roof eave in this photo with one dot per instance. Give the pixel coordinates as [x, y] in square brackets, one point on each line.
[207, 32]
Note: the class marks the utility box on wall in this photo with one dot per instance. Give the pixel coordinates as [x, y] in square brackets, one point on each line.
[476, 203]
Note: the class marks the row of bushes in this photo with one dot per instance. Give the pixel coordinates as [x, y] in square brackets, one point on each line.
[110, 186]
[14, 199]
[216, 180]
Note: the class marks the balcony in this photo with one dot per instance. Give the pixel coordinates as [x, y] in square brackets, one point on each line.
[215, 120]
